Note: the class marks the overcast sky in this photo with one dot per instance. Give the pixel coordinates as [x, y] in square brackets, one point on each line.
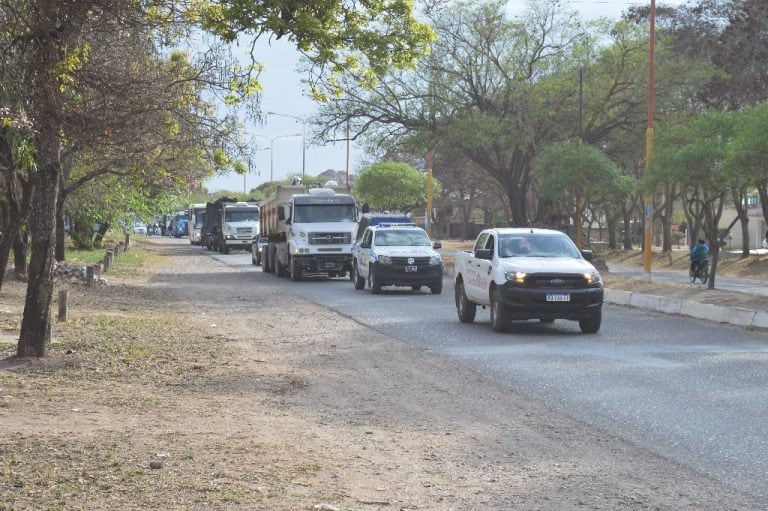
[285, 94]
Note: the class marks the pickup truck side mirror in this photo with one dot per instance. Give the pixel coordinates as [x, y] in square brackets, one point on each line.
[437, 245]
[587, 254]
[484, 253]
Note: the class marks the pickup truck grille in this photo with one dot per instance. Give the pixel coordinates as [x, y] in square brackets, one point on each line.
[556, 281]
[414, 260]
[330, 238]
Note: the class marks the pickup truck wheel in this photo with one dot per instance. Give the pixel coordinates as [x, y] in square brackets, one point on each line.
[464, 308]
[356, 278]
[225, 249]
[592, 324]
[295, 271]
[499, 316]
[373, 282]
[436, 288]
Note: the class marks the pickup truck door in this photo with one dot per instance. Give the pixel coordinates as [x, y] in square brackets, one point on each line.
[363, 253]
[484, 267]
[473, 275]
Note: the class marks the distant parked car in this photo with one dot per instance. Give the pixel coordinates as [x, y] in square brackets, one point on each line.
[140, 228]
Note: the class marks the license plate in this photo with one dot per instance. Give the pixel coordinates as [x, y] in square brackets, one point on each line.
[558, 298]
[411, 269]
[329, 265]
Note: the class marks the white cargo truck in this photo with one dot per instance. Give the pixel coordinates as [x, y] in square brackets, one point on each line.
[236, 226]
[308, 231]
[196, 216]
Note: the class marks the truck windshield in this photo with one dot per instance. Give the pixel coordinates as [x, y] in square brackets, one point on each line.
[241, 215]
[315, 213]
[199, 219]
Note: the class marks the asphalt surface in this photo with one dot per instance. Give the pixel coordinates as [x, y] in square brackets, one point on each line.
[693, 391]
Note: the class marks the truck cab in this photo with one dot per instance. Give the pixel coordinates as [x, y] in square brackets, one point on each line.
[239, 226]
[309, 231]
[397, 255]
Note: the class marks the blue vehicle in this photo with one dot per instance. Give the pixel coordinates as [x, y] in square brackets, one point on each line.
[181, 227]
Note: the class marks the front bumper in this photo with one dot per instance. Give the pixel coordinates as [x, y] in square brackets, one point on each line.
[316, 263]
[396, 275]
[239, 242]
[532, 303]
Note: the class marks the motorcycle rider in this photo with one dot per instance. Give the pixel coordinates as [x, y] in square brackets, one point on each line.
[699, 253]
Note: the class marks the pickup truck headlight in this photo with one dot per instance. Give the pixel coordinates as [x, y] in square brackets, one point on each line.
[517, 277]
[434, 260]
[592, 278]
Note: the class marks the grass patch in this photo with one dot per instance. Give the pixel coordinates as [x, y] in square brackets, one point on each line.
[120, 348]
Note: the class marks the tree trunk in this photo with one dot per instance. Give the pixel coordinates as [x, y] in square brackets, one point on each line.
[517, 206]
[35, 325]
[60, 234]
[626, 213]
[743, 216]
[612, 222]
[20, 246]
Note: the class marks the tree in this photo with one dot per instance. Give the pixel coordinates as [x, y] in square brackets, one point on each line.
[748, 159]
[579, 177]
[47, 47]
[694, 154]
[366, 38]
[392, 186]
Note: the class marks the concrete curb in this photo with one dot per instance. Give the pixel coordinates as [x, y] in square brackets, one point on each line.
[732, 315]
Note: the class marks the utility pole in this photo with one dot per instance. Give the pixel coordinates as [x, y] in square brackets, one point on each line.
[648, 199]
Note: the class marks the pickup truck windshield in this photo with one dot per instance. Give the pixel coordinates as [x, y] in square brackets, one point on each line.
[531, 245]
[241, 215]
[410, 238]
[316, 213]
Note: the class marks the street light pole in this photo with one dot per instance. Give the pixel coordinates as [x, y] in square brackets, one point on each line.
[303, 140]
[272, 151]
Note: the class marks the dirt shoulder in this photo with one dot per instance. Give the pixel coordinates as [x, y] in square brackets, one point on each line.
[193, 385]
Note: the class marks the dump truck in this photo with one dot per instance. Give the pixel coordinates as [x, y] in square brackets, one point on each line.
[308, 231]
[231, 224]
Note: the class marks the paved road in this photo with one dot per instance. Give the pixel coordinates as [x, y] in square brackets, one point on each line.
[693, 391]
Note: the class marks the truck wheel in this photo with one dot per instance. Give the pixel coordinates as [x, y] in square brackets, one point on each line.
[225, 248]
[592, 324]
[464, 308]
[266, 265]
[373, 282]
[295, 271]
[499, 315]
[356, 278]
[436, 288]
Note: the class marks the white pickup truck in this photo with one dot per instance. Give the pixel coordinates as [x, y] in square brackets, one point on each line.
[526, 273]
